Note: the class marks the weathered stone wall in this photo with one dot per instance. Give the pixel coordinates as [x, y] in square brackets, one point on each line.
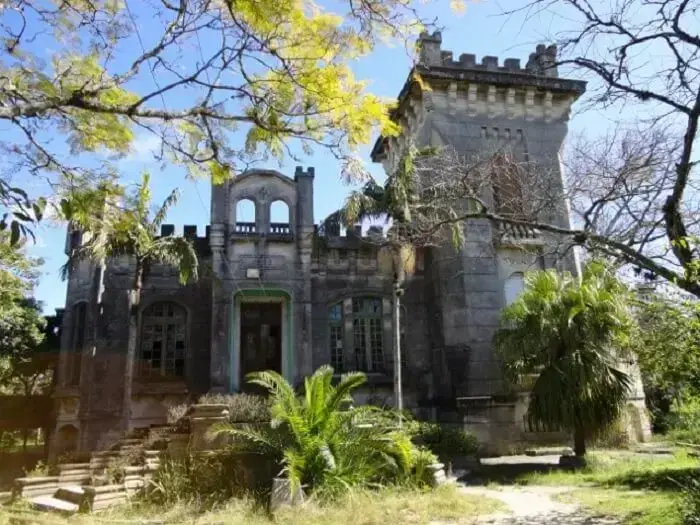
[479, 109]
[95, 406]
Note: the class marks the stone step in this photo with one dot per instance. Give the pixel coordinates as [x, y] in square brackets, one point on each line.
[73, 466]
[105, 454]
[71, 493]
[130, 441]
[50, 503]
[76, 479]
[74, 472]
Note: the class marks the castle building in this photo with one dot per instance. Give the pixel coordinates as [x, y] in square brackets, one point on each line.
[280, 296]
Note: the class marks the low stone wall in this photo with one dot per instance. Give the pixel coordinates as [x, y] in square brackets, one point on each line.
[30, 487]
[98, 498]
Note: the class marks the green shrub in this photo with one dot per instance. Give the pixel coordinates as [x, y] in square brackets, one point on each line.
[685, 420]
[205, 480]
[242, 408]
[177, 417]
[446, 440]
[690, 506]
[324, 444]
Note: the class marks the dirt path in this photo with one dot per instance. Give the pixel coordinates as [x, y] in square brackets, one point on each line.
[534, 505]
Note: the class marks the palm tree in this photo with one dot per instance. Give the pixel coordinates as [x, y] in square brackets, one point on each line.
[322, 441]
[132, 230]
[570, 335]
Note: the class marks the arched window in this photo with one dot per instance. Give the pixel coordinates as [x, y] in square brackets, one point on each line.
[335, 329]
[245, 216]
[279, 218]
[77, 343]
[163, 340]
[515, 284]
[367, 334]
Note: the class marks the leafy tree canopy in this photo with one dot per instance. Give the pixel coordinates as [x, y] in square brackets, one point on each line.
[191, 73]
[667, 344]
[21, 324]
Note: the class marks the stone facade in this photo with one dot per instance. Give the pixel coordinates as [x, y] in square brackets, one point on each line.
[282, 295]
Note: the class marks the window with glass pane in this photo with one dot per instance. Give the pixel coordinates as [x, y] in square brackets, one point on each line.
[335, 325]
[367, 334]
[162, 347]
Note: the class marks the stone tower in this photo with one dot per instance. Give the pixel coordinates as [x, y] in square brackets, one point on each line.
[475, 108]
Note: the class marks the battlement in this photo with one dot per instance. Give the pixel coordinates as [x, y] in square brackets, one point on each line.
[300, 172]
[351, 238]
[540, 63]
[189, 231]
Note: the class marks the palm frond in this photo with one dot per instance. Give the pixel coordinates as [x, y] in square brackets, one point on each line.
[162, 212]
[178, 252]
[569, 334]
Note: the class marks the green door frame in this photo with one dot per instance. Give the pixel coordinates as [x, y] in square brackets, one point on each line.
[261, 295]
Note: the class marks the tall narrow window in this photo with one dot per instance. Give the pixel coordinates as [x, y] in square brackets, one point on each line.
[279, 218]
[162, 344]
[335, 326]
[367, 334]
[77, 343]
[508, 186]
[245, 216]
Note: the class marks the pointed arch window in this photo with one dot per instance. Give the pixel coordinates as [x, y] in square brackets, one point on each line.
[163, 345]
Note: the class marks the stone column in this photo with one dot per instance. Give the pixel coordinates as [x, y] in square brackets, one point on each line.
[219, 352]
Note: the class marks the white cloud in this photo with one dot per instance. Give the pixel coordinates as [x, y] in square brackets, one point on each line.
[143, 149]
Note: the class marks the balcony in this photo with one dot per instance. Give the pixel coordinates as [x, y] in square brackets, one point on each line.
[278, 231]
[245, 228]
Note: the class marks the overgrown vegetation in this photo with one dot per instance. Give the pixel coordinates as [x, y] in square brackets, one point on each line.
[242, 408]
[690, 503]
[387, 506]
[445, 441]
[201, 480]
[669, 357]
[685, 419]
[324, 443]
[642, 490]
[570, 336]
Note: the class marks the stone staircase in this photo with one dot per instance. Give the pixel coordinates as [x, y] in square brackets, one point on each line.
[110, 478]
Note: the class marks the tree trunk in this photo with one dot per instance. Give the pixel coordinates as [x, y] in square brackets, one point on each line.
[579, 441]
[134, 301]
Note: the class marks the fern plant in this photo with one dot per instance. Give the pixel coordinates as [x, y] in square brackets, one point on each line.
[325, 444]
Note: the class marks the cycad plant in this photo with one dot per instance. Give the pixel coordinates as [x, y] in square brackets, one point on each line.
[133, 230]
[572, 336]
[325, 444]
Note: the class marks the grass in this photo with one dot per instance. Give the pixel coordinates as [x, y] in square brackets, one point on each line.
[639, 490]
[385, 507]
[633, 507]
[622, 469]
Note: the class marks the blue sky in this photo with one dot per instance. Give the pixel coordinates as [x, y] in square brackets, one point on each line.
[481, 30]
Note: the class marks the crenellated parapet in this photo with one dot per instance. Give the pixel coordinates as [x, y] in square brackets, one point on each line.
[543, 62]
[190, 231]
[489, 90]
